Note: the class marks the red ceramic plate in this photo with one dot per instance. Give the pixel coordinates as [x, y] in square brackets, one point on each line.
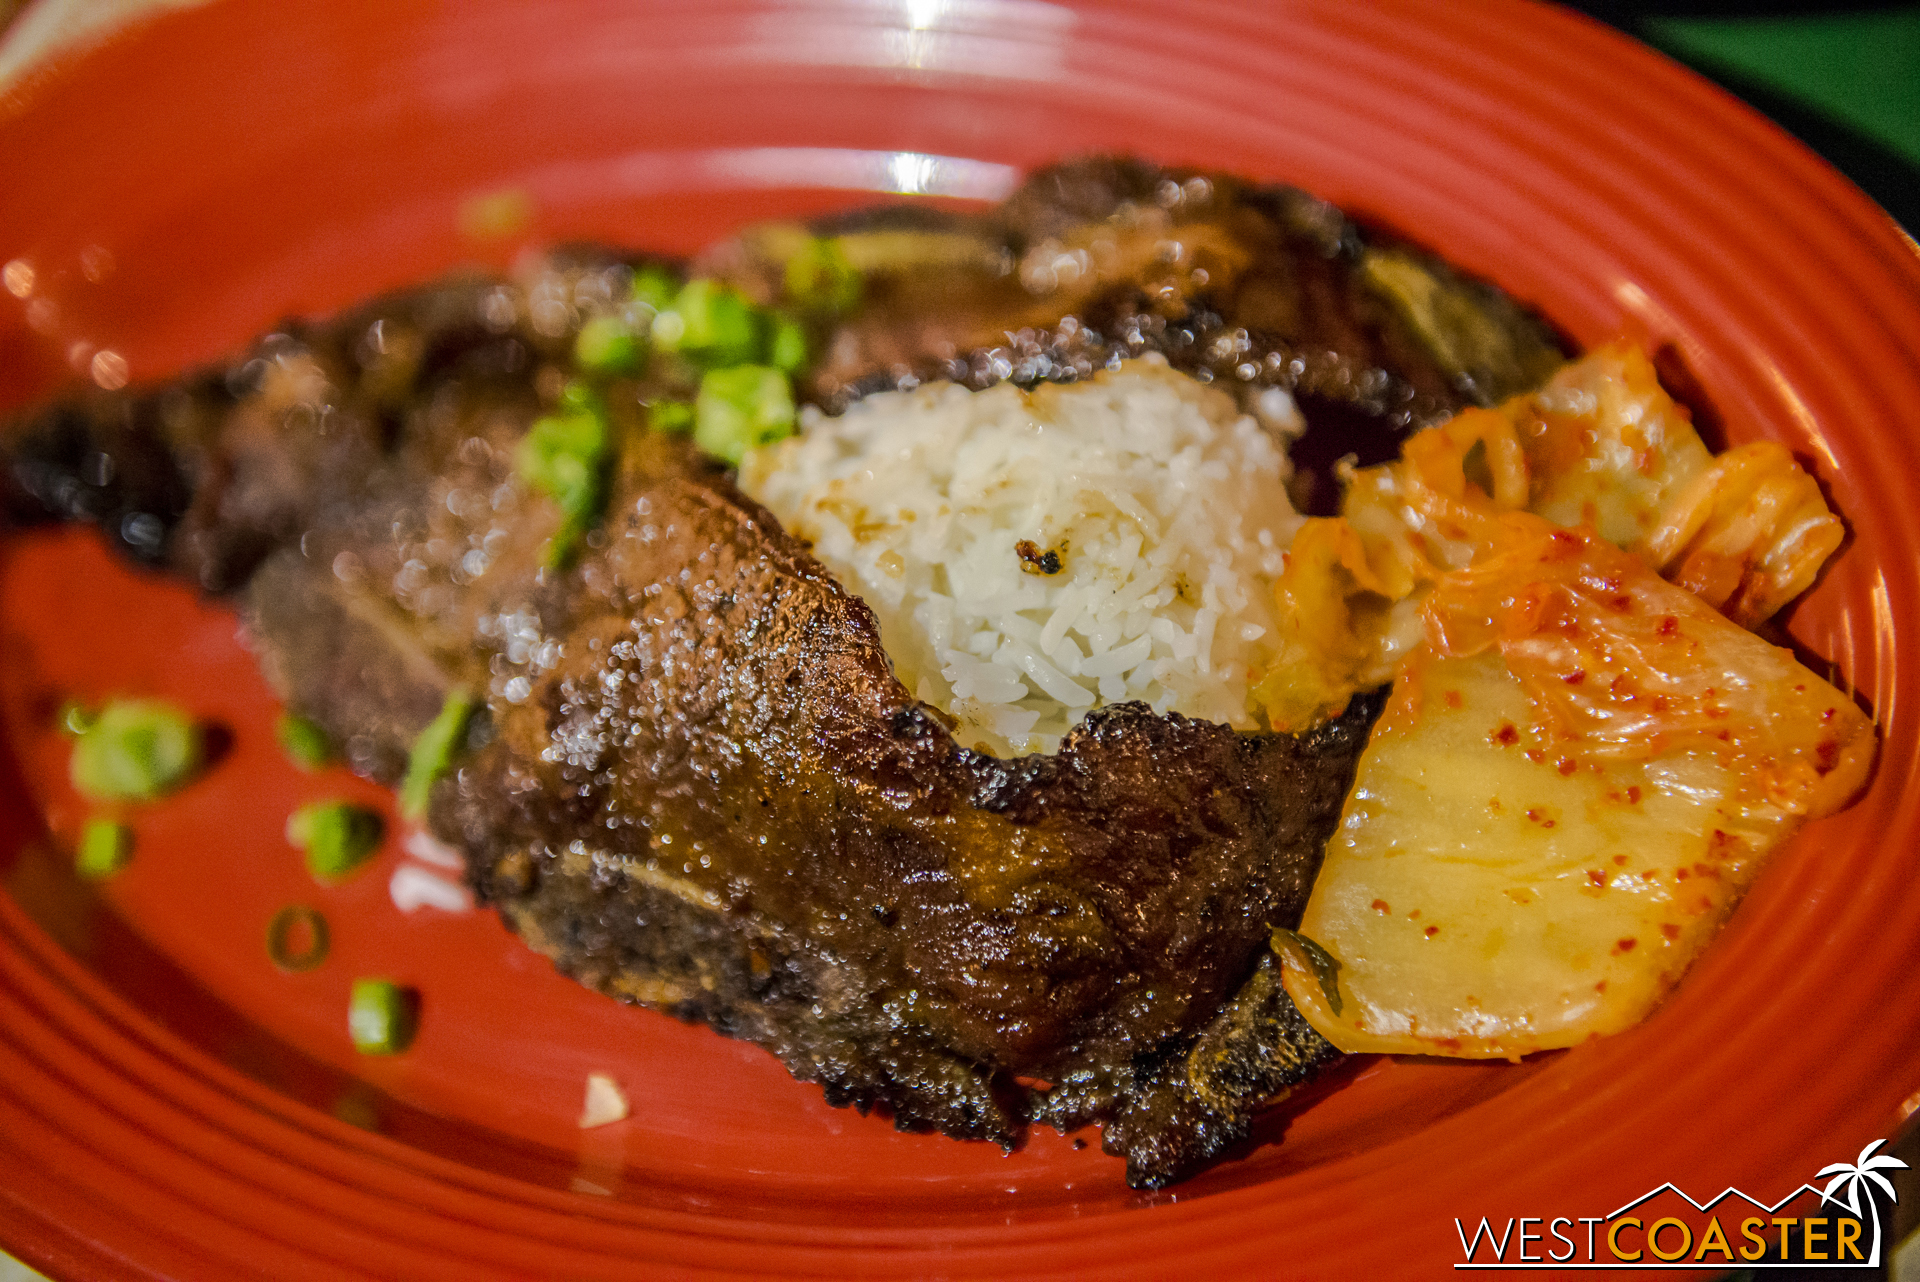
[172, 1106]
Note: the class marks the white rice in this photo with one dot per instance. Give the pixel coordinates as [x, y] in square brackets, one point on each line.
[1166, 508]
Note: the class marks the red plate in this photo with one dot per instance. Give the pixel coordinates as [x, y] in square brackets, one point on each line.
[172, 1106]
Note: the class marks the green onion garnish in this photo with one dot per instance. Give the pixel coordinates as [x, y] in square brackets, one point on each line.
[670, 416]
[135, 750]
[607, 345]
[74, 718]
[297, 938]
[787, 349]
[654, 288]
[710, 324]
[742, 407]
[338, 837]
[433, 752]
[819, 277]
[381, 1016]
[566, 454]
[304, 742]
[559, 454]
[105, 848]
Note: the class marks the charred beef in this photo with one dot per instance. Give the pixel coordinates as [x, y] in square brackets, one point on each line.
[912, 923]
[696, 784]
[1246, 286]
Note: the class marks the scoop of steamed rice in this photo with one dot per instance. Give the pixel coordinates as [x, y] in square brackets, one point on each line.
[1032, 556]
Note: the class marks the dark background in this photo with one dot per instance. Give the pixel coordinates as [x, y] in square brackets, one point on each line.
[1844, 78]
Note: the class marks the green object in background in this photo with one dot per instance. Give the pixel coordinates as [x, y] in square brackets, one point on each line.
[381, 1016]
[567, 454]
[787, 348]
[711, 324]
[654, 289]
[304, 742]
[105, 848]
[740, 408]
[607, 345]
[1861, 69]
[819, 277]
[338, 837]
[670, 416]
[433, 752]
[134, 750]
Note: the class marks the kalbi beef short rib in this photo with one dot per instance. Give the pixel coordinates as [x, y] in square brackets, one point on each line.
[724, 754]
[696, 784]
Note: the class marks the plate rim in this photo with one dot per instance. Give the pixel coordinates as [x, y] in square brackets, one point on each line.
[71, 1014]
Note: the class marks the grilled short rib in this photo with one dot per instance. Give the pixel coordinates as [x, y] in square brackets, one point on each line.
[696, 784]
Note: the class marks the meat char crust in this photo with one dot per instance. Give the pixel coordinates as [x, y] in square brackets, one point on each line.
[724, 746]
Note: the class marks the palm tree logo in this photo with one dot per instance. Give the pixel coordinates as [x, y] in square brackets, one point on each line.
[1855, 1176]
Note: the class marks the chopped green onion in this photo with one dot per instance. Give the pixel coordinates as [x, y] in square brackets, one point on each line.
[819, 277]
[135, 750]
[297, 938]
[433, 752]
[105, 848]
[742, 407]
[787, 349]
[670, 416]
[338, 837]
[710, 324]
[560, 453]
[576, 395]
[304, 742]
[654, 288]
[75, 717]
[382, 1016]
[607, 345]
[566, 454]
